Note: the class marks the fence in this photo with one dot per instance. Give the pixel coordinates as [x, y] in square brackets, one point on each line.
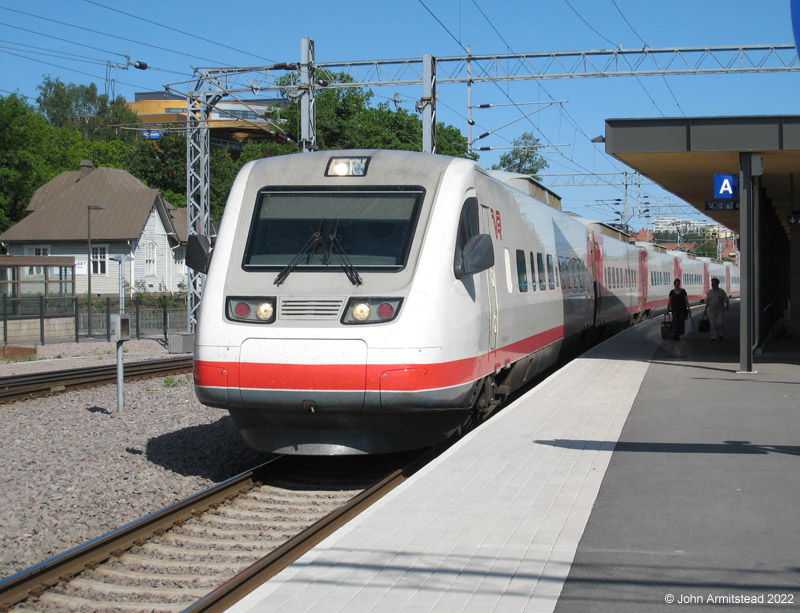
[50, 320]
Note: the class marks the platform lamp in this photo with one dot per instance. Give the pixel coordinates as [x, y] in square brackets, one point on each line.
[89, 209]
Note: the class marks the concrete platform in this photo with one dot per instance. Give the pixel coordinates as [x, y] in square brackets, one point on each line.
[644, 470]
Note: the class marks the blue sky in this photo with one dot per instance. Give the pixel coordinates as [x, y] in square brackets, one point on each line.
[244, 33]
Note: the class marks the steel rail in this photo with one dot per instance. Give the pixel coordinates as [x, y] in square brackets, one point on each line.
[27, 386]
[270, 565]
[37, 579]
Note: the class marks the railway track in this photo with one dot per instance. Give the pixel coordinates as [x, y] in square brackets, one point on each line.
[20, 387]
[208, 551]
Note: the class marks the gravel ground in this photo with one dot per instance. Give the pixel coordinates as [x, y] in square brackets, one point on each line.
[72, 469]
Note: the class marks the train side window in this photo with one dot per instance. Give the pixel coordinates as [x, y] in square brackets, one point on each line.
[467, 228]
[522, 271]
[551, 279]
[509, 282]
[542, 274]
[533, 272]
[556, 273]
[568, 271]
[562, 272]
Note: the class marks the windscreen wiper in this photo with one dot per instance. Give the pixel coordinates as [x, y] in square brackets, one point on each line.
[346, 264]
[310, 248]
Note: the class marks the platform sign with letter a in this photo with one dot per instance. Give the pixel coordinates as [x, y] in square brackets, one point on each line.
[726, 186]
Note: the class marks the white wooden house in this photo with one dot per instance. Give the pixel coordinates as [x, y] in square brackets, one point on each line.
[121, 216]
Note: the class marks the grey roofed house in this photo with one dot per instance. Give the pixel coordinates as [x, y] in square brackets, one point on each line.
[135, 221]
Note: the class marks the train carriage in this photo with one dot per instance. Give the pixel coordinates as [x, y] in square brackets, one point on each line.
[375, 301]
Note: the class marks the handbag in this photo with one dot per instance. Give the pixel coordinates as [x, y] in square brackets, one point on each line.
[689, 324]
[666, 326]
[704, 325]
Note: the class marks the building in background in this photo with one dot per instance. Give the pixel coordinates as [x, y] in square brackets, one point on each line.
[122, 216]
[233, 124]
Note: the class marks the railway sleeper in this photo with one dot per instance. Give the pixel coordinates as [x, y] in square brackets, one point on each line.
[321, 495]
[221, 543]
[238, 514]
[263, 514]
[151, 594]
[62, 602]
[194, 580]
[166, 552]
[258, 534]
[145, 564]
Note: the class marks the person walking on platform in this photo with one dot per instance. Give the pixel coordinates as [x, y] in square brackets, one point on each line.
[679, 307]
[717, 302]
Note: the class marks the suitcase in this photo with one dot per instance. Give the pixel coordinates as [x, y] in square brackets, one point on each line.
[666, 326]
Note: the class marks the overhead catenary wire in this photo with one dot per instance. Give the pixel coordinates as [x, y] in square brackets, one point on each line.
[163, 25]
[514, 103]
[95, 77]
[130, 40]
[639, 36]
[589, 25]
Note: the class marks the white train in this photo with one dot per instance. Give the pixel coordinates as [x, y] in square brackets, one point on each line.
[377, 301]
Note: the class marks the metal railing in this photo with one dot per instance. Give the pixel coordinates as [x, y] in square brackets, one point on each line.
[41, 319]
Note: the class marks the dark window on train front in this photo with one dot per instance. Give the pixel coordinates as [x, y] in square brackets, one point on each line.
[533, 272]
[467, 228]
[562, 271]
[522, 271]
[550, 272]
[321, 229]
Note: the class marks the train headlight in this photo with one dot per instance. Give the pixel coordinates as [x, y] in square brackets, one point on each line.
[347, 167]
[265, 311]
[361, 311]
[371, 310]
[258, 310]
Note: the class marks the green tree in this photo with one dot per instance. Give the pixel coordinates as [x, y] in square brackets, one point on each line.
[223, 171]
[523, 158]
[347, 120]
[161, 164]
[33, 152]
[83, 108]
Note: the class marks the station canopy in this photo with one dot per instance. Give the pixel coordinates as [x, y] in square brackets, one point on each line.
[683, 154]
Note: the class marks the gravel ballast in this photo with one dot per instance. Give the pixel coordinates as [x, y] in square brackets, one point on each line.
[72, 468]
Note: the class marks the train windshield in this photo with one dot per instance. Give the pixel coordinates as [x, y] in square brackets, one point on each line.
[326, 228]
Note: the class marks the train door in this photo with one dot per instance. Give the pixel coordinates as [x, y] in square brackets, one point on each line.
[491, 224]
[594, 260]
[706, 278]
[677, 269]
[643, 280]
[728, 280]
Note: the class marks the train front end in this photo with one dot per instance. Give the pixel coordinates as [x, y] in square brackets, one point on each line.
[310, 331]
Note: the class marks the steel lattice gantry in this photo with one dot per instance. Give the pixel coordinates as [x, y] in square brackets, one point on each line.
[212, 84]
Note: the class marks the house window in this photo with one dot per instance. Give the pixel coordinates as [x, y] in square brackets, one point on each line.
[99, 255]
[36, 251]
[150, 260]
[180, 261]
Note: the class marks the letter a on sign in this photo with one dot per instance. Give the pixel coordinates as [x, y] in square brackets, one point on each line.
[726, 186]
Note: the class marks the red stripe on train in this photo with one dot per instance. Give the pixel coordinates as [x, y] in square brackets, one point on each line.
[386, 377]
